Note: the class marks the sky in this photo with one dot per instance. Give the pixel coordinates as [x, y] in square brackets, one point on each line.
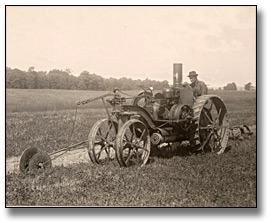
[219, 43]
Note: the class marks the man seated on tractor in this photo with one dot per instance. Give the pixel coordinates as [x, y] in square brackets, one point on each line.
[199, 87]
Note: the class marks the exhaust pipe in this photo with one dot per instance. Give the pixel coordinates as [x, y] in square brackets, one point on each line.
[177, 74]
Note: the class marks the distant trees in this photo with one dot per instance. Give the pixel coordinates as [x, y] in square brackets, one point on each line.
[63, 79]
[15, 78]
[87, 81]
[231, 86]
[248, 86]
[58, 79]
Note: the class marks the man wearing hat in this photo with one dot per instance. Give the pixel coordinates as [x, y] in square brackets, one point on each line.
[199, 87]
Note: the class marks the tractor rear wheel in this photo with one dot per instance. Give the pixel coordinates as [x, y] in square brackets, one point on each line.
[133, 144]
[210, 130]
[101, 141]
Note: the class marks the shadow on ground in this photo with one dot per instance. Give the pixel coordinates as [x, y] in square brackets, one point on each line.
[181, 150]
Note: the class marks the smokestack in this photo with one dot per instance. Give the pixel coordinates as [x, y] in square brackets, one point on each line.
[177, 74]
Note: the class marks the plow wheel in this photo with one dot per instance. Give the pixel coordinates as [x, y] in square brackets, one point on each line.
[101, 141]
[25, 158]
[41, 161]
[211, 128]
[34, 160]
[133, 144]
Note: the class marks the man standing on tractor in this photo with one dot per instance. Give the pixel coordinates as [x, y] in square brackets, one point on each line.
[199, 87]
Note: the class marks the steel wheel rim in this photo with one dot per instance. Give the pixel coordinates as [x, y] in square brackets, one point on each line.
[102, 141]
[213, 126]
[133, 144]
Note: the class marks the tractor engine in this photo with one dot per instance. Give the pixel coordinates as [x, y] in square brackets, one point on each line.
[173, 104]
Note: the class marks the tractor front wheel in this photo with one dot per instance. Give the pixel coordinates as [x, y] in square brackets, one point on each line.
[133, 144]
[101, 141]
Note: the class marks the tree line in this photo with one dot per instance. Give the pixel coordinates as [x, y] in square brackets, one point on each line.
[64, 79]
[232, 86]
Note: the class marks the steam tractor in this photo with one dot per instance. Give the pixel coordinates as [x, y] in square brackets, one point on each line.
[137, 124]
[151, 119]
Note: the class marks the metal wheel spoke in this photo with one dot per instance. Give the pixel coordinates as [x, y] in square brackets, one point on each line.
[205, 128]
[100, 135]
[107, 150]
[108, 154]
[142, 148]
[134, 132]
[99, 143]
[211, 107]
[216, 143]
[108, 131]
[142, 135]
[99, 153]
[126, 146]
[137, 156]
[129, 156]
[219, 113]
[207, 139]
[115, 130]
[125, 138]
[218, 138]
[207, 116]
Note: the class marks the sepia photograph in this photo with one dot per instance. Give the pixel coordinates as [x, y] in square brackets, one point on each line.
[131, 106]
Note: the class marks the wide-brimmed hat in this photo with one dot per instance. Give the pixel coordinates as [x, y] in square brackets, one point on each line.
[192, 74]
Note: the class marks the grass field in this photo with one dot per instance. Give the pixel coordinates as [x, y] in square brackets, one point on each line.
[44, 119]
[38, 100]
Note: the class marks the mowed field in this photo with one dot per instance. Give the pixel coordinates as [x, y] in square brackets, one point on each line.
[44, 119]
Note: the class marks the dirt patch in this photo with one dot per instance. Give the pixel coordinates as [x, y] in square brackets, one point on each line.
[69, 158]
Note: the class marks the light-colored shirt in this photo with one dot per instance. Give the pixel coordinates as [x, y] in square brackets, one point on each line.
[199, 88]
